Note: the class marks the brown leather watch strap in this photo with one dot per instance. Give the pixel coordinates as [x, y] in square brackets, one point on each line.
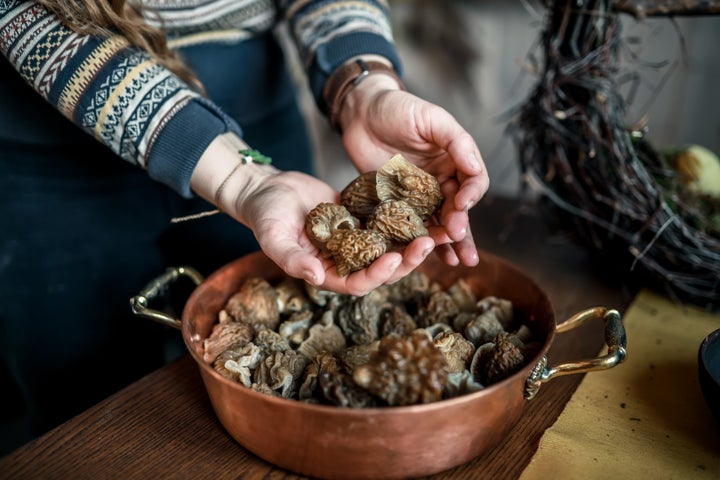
[347, 77]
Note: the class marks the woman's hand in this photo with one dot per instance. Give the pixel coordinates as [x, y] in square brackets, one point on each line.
[379, 120]
[275, 209]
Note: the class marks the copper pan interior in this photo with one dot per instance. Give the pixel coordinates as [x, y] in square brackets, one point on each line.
[330, 442]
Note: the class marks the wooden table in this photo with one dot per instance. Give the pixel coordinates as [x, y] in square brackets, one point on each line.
[163, 425]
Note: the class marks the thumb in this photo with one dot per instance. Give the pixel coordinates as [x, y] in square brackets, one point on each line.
[299, 263]
[296, 260]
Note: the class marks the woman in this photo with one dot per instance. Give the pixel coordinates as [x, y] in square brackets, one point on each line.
[118, 116]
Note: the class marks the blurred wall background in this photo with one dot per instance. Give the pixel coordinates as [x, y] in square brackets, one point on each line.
[473, 58]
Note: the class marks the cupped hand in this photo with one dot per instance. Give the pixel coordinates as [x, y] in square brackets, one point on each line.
[275, 206]
[380, 121]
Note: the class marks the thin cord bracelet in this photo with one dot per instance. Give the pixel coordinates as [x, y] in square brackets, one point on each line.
[246, 156]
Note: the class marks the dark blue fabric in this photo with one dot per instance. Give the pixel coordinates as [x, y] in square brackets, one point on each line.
[82, 231]
[248, 80]
[26, 117]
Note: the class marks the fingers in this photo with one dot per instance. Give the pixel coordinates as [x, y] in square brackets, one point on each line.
[457, 224]
[446, 253]
[387, 269]
[453, 253]
[301, 263]
[466, 251]
[466, 155]
[471, 191]
[449, 135]
[454, 220]
[413, 255]
[468, 161]
[452, 233]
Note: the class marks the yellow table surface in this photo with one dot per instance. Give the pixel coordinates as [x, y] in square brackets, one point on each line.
[646, 418]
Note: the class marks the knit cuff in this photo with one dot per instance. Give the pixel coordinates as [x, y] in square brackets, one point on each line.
[182, 142]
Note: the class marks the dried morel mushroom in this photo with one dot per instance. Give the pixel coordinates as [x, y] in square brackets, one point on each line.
[356, 355]
[291, 296]
[393, 201]
[440, 308]
[309, 390]
[497, 360]
[327, 218]
[337, 385]
[399, 179]
[281, 371]
[500, 308]
[483, 328]
[354, 250]
[461, 383]
[238, 364]
[270, 341]
[397, 221]
[405, 370]
[463, 295]
[225, 336]
[360, 196]
[255, 303]
[413, 288]
[323, 337]
[395, 319]
[295, 329]
[458, 351]
[495, 315]
[359, 317]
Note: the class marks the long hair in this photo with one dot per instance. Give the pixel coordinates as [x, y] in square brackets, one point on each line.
[108, 17]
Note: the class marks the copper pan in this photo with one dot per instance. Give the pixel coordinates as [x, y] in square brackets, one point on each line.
[398, 442]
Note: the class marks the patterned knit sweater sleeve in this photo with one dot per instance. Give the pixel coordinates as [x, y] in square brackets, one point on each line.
[114, 92]
[328, 33]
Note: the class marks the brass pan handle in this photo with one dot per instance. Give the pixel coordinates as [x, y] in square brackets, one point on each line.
[139, 303]
[615, 339]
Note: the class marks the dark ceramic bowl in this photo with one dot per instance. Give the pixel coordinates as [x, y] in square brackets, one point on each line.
[709, 371]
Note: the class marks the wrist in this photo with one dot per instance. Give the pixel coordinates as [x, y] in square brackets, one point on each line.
[357, 101]
[367, 74]
[223, 174]
[215, 164]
